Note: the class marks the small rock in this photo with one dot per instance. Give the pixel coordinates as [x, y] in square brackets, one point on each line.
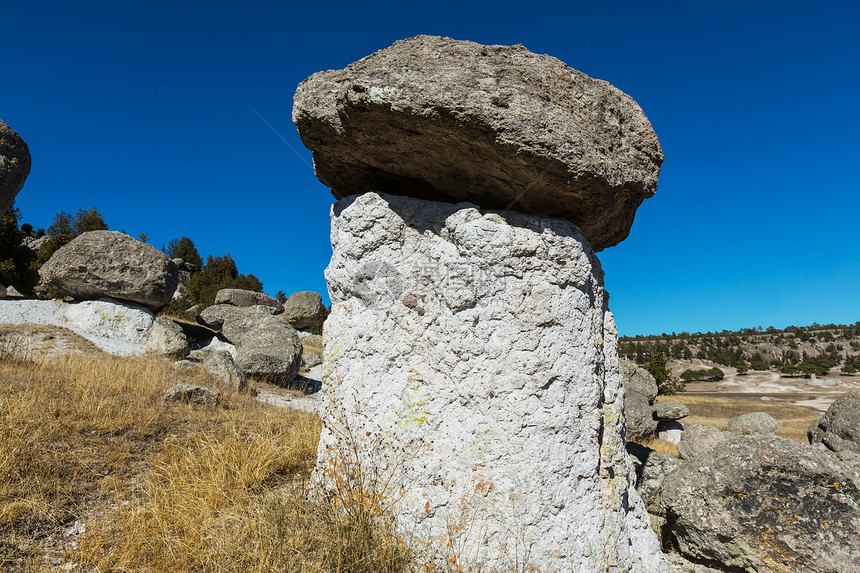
[753, 423]
[185, 366]
[12, 292]
[222, 366]
[310, 359]
[196, 395]
[2, 292]
[670, 430]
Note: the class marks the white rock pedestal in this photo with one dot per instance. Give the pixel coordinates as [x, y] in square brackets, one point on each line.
[472, 376]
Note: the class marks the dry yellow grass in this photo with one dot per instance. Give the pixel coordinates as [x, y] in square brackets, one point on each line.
[656, 444]
[718, 409]
[163, 487]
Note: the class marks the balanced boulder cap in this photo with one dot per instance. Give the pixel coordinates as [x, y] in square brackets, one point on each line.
[14, 165]
[498, 126]
[106, 263]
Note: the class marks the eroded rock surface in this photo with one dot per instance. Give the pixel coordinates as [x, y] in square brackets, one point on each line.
[763, 503]
[245, 298]
[303, 309]
[14, 165]
[472, 367]
[107, 263]
[498, 126]
[839, 427]
[640, 391]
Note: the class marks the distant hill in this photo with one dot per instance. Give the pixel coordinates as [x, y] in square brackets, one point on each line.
[793, 351]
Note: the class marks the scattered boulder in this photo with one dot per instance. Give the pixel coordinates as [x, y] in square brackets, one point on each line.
[303, 309]
[266, 347]
[14, 165]
[667, 411]
[753, 423]
[222, 366]
[245, 298]
[763, 503]
[12, 292]
[217, 315]
[640, 391]
[2, 292]
[839, 427]
[166, 337]
[483, 399]
[191, 394]
[107, 263]
[497, 126]
[271, 350]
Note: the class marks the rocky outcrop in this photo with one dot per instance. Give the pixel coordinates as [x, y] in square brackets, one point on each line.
[14, 165]
[763, 503]
[753, 423]
[266, 346]
[114, 327]
[245, 298]
[839, 427]
[303, 309]
[497, 126]
[472, 372]
[106, 263]
[640, 391]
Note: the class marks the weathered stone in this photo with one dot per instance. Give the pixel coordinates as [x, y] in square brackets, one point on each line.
[12, 292]
[270, 350]
[839, 427]
[107, 263]
[217, 315]
[670, 431]
[310, 359]
[266, 346]
[114, 327]
[497, 126]
[189, 393]
[303, 309]
[665, 411]
[246, 298]
[221, 365]
[185, 366]
[14, 165]
[166, 337]
[697, 439]
[501, 405]
[652, 468]
[640, 391]
[763, 503]
[753, 423]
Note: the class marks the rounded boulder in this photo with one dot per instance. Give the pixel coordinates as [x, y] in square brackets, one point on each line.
[107, 263]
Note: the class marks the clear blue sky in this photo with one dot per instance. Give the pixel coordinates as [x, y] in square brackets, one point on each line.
[146, 110]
